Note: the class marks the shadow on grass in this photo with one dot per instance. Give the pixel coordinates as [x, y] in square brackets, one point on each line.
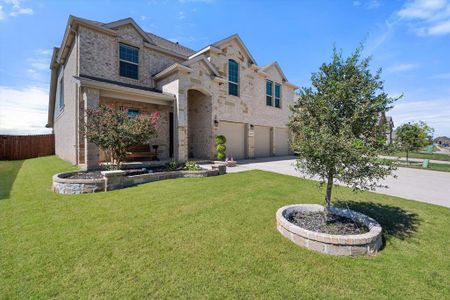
[8, 174]
[395, 221]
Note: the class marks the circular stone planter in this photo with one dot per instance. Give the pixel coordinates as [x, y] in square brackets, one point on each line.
[357, 244]
[64, 185]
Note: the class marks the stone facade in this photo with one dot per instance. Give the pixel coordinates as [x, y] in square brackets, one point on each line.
[191, 85]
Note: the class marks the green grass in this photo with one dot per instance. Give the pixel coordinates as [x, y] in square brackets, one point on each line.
[204, 238]
[422, 155]
[431, 167]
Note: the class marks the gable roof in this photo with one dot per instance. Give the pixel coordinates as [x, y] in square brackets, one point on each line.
[277, 67]
[239, 40]
[129, 21]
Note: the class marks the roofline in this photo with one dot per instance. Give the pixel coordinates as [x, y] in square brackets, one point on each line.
[131, 21]
[277, 66]
[237, 37]
[171, 69]
[204, 50]
[92, 83]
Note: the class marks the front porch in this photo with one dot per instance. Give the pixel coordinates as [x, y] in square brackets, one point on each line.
[135, 101]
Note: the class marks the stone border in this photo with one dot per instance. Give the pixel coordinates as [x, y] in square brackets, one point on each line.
[358, 244]
[117, 179]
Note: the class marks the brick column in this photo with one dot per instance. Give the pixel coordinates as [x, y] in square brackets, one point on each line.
[250, 140]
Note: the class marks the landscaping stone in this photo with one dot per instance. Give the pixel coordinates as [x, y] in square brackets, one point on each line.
[351, 244]
[118, 179]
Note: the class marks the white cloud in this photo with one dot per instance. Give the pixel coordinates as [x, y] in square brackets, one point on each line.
[13, 8]
[39, 64]
[24, 110]
[434, 112]
[402, 68]
[427, 17]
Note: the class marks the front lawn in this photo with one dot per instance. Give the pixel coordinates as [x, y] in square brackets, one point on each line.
[203, 238]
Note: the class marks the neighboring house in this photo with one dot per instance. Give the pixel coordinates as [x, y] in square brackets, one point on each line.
[442, 141]
[200, 94]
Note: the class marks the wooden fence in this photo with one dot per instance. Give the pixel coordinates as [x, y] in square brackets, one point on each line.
[13, 147]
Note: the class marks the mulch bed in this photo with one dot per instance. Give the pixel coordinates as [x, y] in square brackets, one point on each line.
[326, 223]
[129, 172]
[86, 175]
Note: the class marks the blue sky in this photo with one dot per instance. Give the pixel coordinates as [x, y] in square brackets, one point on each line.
[409, 40]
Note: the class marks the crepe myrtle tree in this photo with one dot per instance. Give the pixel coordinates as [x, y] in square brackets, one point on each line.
[335, 124]
[412, 137]
[113, 131]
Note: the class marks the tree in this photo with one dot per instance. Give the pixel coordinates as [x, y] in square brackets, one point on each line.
[413, 136]
[335, 124]
[113, 131]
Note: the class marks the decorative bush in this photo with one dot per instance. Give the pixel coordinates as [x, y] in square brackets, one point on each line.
[172, 165]
[221, 148]
[191, 166]
[113, 131]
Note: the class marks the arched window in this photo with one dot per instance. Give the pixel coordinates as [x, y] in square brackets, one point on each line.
[233, 78]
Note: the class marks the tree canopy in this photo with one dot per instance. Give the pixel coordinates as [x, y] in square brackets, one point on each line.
[335, 124]
[413, 136]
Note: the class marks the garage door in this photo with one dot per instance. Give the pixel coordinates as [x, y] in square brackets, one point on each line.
[235, 135]
[262, 141]
[281, 141]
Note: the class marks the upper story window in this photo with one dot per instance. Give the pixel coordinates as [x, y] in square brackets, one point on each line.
[273, 94]
[277, 95]
[269, 91]
[129, 61]
[233, 78]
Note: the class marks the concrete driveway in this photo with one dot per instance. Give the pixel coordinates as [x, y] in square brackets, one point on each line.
[421, 185]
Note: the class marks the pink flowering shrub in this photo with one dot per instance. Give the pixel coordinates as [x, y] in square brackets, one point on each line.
[113, 131]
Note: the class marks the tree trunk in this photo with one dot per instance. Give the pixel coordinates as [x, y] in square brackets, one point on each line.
[407, 158]
[329, 189]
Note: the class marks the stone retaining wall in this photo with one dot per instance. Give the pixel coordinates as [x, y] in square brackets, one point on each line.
[117, 179]
[357, 244]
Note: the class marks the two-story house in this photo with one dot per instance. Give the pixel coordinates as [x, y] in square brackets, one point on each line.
[219, 89]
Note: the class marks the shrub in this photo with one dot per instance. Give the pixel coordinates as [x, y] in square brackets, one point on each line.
[221, 139]
[191, 166]
[172, 165]
[221, 148]
[113, 131]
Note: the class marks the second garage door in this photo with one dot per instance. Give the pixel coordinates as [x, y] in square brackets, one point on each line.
[281, 141]
[262, 141]
[235, 135]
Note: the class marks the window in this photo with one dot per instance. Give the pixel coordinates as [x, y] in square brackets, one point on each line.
[61, 92]
[129, 61]
[269, 85]
[277, 95]
[133, 113]
[233, 78]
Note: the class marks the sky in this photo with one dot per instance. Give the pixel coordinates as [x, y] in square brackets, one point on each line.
[409, 40]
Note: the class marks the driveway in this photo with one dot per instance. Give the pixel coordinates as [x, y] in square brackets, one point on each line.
[420, 185]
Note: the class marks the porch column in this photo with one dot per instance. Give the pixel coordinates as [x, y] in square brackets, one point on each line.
[180, 150]
[91, 99]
